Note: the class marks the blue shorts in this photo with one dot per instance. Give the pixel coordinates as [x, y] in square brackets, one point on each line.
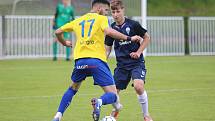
[97, 68]
[123, 76]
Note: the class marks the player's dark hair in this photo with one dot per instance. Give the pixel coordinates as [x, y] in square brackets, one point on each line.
[106, 2]
[116, 4]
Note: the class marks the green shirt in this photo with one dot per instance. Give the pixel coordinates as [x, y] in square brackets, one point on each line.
[63, 14]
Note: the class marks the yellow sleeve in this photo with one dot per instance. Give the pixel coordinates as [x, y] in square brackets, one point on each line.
[104, 23]
[68, 27]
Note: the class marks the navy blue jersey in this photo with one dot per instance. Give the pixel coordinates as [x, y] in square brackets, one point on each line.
[123, 49]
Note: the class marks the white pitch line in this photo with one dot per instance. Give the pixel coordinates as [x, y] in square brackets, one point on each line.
[149, 91]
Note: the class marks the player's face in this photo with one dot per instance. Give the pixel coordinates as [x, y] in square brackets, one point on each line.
[104, 9]
[118, 15]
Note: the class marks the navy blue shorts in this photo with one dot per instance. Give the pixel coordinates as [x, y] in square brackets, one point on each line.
[92, 67]
[123, 76]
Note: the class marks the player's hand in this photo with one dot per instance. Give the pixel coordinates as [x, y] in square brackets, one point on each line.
[135, 55]
[67, 43]
[136, 38]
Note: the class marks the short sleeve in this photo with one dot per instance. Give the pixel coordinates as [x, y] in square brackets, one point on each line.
[139, 29]
[67, 27]
[109, 40]
[104, 23]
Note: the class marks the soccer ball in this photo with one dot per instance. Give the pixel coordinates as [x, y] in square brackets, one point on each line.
[108, 118]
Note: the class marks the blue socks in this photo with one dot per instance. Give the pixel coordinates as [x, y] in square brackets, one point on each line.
[108, 98]
[66, 100]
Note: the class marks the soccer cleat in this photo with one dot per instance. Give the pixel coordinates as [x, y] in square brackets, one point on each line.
[115, 112]
[147, 118]
[56, 119]
[96, 109]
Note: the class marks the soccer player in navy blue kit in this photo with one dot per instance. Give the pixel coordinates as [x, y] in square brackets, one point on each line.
[130, 61]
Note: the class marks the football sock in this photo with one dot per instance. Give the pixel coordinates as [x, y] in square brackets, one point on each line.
[143, 100]
[55, 49]
[66, 100]
[68, 51]
[108, 98]
[58, 115]
[117, 104]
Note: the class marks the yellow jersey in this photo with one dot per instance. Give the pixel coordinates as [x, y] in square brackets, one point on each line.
[89, 30]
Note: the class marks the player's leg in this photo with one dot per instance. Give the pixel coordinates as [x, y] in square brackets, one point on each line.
[138, 76]
[122, 78]
[54, 47]
[67, 36]
[78, 75]
[142, 98]
[66, 100]
[109, 97]
[103, 77]
[117, 106]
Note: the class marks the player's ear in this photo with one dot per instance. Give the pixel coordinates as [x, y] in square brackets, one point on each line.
[99, 8]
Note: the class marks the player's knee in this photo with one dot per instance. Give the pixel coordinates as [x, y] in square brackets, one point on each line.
[75, 86]
[111, 88]
[139, 87]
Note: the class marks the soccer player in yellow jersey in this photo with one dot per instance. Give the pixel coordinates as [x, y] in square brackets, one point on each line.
[90, 56]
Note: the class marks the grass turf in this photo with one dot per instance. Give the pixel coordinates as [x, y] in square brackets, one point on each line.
[179, 88]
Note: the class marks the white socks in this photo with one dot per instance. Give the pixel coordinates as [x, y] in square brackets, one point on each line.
[58, 115]
[117, 104]
[100, 102]
[143, 100]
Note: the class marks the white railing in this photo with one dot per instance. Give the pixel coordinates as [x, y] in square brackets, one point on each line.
[167, 35]
[202, 35]
[32, 36]
[29, 36]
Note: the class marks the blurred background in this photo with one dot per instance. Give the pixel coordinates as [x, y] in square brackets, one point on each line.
[180, 62]
[155, 7]
[177, 27]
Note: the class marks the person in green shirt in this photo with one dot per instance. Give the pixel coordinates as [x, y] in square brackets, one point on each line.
[64, 14]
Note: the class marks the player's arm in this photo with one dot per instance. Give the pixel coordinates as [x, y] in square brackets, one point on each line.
[72, 14]
[108, 50]
[144, 43]
[54, 19]
[108, 45]
[59, 34]
[117, 35]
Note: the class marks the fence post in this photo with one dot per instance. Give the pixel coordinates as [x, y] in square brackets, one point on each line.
[186, 34]
[3, 36]
[1, 40]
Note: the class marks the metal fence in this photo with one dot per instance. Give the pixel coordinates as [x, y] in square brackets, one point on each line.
[167, 35]
[29, 36]
[202, 35]
[32, 36]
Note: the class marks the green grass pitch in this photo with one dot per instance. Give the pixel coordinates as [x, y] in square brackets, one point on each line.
[179, 89]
